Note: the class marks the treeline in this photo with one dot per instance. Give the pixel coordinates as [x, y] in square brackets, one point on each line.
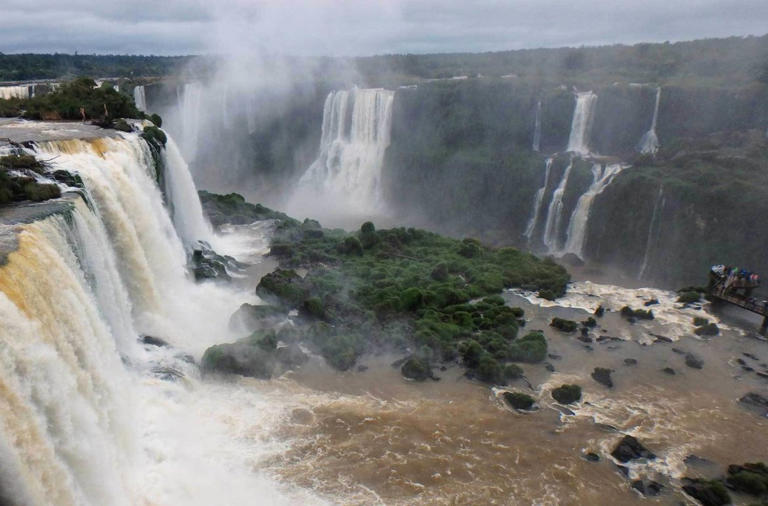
[23, 67]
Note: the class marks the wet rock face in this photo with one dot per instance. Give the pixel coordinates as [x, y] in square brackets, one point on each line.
[629, 448]
[603, 376]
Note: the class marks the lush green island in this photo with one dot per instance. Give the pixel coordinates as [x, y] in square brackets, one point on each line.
[405, 290]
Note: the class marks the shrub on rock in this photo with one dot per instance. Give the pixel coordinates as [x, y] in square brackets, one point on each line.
[564, 325]
[567, 394]
[519, 400]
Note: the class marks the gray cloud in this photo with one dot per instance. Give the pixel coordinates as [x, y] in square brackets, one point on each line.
[357, 27]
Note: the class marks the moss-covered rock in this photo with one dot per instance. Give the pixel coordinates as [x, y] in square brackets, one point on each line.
[709, 329]
[417, 369]
[639, 314]
[707, 492]
[564, 325]
[239, 358]
[518, 400]
[603, 376]
[567, 394]
[629, 448]
[750, 478]
[689, 297]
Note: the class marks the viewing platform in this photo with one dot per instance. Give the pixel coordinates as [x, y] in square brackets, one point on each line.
[735, 287]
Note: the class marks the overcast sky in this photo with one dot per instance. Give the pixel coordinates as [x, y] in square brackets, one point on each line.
[361, 27]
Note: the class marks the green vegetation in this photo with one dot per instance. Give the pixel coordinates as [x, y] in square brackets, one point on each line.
[389, 289]
[750, 478]
[18, 187]
[76, 100]
[564, 325]
[19, 67]
[519, 400]
[709, 329]
[639, 314]
[689, 297]
[567, 394]
[233, 208]
[707, 492]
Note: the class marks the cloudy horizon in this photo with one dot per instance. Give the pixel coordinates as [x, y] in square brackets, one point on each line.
[363, 27]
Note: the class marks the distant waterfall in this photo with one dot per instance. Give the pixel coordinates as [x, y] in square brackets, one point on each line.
[140, 98]
[577, 228]
[8, 92]
[653, 230]
[184, 202]
[649, 144]
[191, 116]
[583, 114]
[555, 213]
[355, 135]
[537, 128]
[538, 201]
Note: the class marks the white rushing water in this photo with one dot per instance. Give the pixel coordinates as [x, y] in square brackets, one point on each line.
[581, 125]
[186, 210]
[7, 92]
[649, 144]
[538, 200]
[537, 128]
[653, 229]
[140, 98]
[355, 136]
[190, 117]
[555, 213]
[83, 418]
[602, 175]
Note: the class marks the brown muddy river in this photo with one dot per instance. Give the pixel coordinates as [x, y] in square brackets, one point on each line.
[371, 437]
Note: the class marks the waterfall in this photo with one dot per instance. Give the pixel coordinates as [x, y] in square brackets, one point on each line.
[191, 109]
[653, 229]
[140, 98]
[555, 212]
[537, 202]
[537, 128]
[83, 420]
[577, 228]
[649, 144]
[184, 202]
[347, 173]
[8, 92]
[583, 114]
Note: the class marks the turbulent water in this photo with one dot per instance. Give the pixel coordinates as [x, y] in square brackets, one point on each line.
[581, 124]
[602, 175]
[86, 416]
[346, 176]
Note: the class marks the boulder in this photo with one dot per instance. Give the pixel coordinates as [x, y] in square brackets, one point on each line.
[630, 361]
[756, 402]
[707, 492]
[710, 329]
[693, 361]
[603, 376]
[564, 325]
[153, 341]
[669, 371]
[629, 448]
[252, 317]
[239, 358]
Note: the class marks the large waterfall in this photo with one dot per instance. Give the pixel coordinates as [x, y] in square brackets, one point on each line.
[190, 117]
[83, 418]
[649, 144]
[577, 228]
[583, 114]
[538, 200]
[555, 213]
[355, 136]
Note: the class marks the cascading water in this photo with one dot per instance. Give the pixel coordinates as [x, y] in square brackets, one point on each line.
[649, 144]
[347, 173]
[537, 128]
[653, 230]
[82, 418]
[555, 213]
[8, 92]
[538, 201]
[577, 228]
[186, 210]
[583, 114]
[140, 98]
[191, 103]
